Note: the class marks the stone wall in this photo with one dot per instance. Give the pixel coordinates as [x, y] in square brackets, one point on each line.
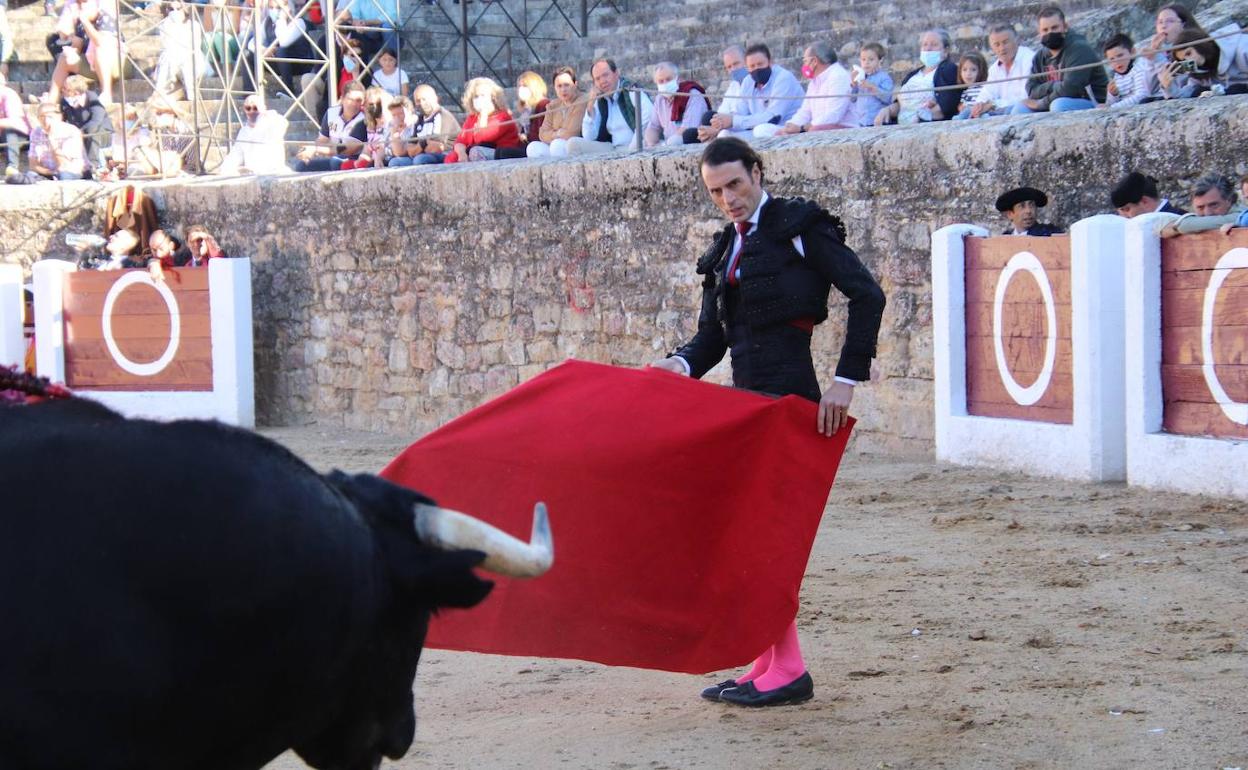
[395, 300]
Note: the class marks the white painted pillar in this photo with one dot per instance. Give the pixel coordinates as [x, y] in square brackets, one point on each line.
[49, 280]
[233, 367]
[12, 343]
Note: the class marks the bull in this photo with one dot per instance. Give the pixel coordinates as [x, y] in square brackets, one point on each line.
[190, 595]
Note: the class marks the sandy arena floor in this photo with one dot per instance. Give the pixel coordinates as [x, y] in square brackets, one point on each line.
[951, 618]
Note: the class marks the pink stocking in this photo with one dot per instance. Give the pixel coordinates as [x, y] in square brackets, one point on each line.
[758, 669]
[786, 662]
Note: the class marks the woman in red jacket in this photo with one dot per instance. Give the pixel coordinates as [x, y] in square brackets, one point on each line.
[489, 126]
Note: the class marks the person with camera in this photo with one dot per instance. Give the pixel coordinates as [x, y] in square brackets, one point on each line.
[1194, 71]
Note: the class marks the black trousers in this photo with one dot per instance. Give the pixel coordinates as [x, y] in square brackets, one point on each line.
[774, 360]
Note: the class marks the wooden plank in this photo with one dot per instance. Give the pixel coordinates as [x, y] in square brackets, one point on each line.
[1181, 345]
[1029, 413]
[195, 349]
[1187, 383]
[1020, 355]
[1191, 419]
[986, 387]
[137, 327]
[1199, 251]
[1018, 319]
[981, 286]
[1184, 307]
[1199, 279]
[179, 375]
[993, 253]
[139, 300]
[100, 281]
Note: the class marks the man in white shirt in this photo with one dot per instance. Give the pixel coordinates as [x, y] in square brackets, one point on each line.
[827, 103]
[1000, 93]
[258, 148]
[769, 95]
[610, 120]
[734, 67]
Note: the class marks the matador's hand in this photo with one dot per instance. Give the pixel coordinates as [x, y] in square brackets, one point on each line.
[834, 408]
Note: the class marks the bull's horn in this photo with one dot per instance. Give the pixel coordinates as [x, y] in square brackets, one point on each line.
[505, 555]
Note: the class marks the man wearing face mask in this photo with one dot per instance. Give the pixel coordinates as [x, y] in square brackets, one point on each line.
[770, 95]
[258, 148]
[1050, 89]
[734, 67]
[827, 104]
[82, 109]
[678, 107]
[610, 119]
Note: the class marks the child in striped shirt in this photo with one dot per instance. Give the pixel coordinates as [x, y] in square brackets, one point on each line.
[1133, 78]
[972, 72]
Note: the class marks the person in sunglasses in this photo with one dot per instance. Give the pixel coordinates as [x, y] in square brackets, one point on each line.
[258, 148]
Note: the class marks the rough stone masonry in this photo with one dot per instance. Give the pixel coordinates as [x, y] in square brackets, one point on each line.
[397, 300]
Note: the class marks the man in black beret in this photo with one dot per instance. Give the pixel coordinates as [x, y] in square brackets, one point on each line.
[1136, 194]
[1020, 206]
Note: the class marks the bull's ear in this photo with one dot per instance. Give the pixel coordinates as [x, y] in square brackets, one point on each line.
[445, 578]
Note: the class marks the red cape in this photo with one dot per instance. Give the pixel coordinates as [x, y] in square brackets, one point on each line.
[683, 515]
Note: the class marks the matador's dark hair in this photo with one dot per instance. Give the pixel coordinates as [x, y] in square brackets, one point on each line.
[730, 149]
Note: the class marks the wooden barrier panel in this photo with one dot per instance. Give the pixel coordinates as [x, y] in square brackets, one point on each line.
[126, 332]
[1018, 328]
[1204, 334]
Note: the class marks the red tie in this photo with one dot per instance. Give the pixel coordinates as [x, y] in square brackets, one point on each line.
[742, 229]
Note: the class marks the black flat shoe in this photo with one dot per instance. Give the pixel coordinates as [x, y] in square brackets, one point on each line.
[797, 691]
[714, 691]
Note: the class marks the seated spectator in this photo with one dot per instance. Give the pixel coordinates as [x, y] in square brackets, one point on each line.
[85, 111]
[373, 22]
[342, 136]
[734, 67]
[1134, 81]
[377, 130]
[918, 101]
[1213, 197]
[315, 97]
[1171, 19]
[87, 29]
[388, 75]
[436, 129]
[6, 38]
[260, 146]
[871, 85]
[488, 127]
[1194, 71]
[827, 104]
[1136, 194]
[166, 248]
[1055, 91]
[180, 58]
[1002, 90]
[283, 37]
[202, 246]
[1233, 59]
[531, 106]
[56, 149]
[400, 133]
[14, 128]
[678, 107]
[770, 96]
[610, 118]
[165, 143]
[1021, 206]
[972, 72]
[563, 118]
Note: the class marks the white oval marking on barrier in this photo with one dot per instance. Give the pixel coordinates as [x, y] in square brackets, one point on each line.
[1025, 260]
[175, 324]
[1235, 258]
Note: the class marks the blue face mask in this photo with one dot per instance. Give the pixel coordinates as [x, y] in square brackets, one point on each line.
[739, 74]
[930, 58]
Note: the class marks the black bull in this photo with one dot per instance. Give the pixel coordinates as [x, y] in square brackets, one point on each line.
[188, 595]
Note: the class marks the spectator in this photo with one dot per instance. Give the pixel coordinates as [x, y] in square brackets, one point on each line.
[1194, 69]
[260, 145]
[563, 121]
[342, 134]
[85, 111]
[828, 103]
[56, 149]
[202, 246]
[435, 131]
[1053, 90]
[283, 36]
[14, 128]
[1136, 194]
[770, 96]
[1003, 88]
[488, 127]
[1171, 19]
[374, 23]
[734, 67]
[1213, 197]
[180, 58]
[871, 84]
[918, 101]
[6, 38]
[388, 75]
[678, 108]
[377, 133]
[1233, 59]
[531, 106]
[168, 249]
[86, 29]
[120, 251]
[1133, 79]
[972, 72]
[1021, 206]
[223, 26]
[351, 69]
[610, 118]
[401, 133]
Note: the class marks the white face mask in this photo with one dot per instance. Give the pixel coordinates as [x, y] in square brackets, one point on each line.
[524, 94]
[668, 88]
[275, 14]
[483, 104]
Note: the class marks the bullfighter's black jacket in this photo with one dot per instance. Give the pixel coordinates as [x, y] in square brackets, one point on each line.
[778, 286]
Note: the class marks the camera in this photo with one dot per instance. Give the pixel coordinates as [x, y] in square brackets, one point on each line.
[1187, 66]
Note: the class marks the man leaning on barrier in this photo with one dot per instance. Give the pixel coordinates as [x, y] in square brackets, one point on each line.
[1216, 205]
[611, 118]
